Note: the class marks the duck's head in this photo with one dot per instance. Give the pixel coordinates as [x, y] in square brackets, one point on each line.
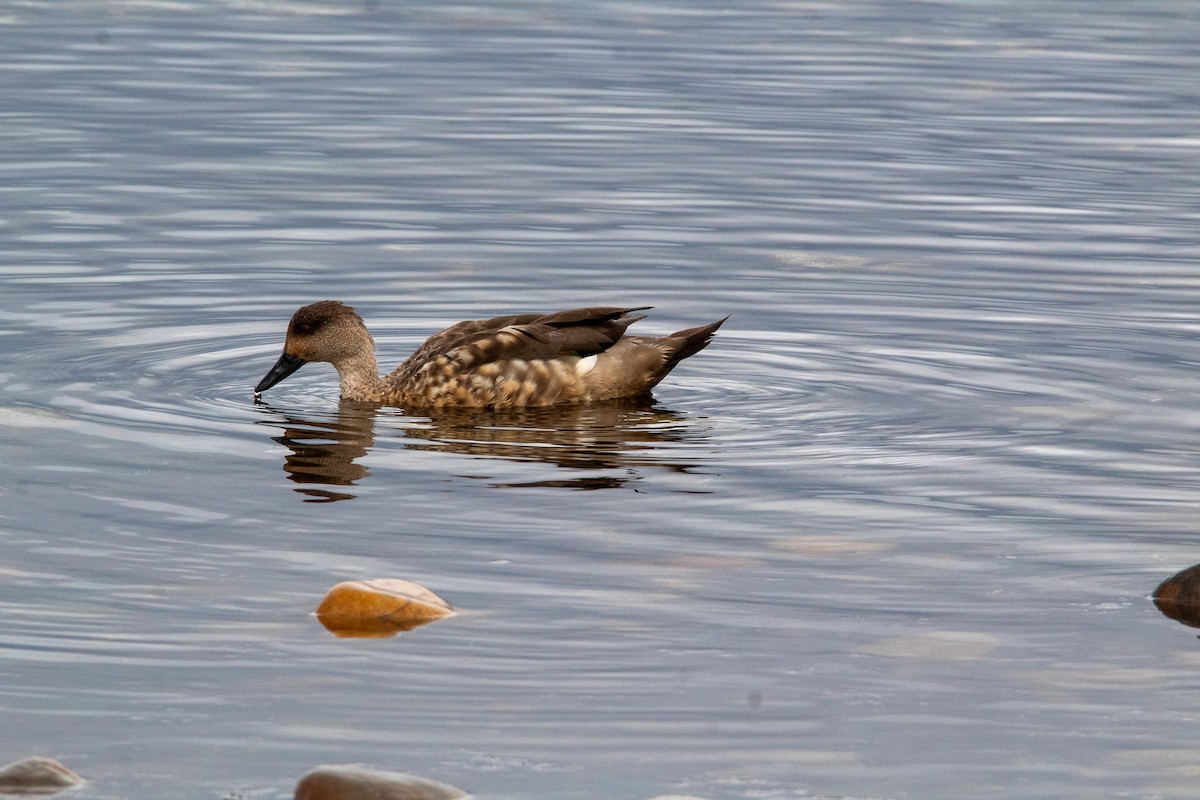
[325, 331]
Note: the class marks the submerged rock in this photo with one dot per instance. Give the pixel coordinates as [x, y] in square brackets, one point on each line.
[1178, 597]
[353, 782]
[37, 776]
[381, 607]
[933, 646]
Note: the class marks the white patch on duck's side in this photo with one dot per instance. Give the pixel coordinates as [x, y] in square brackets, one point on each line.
[585, 365]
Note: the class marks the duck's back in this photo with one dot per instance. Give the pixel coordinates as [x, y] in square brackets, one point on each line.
[538, 360]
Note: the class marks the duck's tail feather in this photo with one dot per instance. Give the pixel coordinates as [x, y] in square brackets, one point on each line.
[688, 342]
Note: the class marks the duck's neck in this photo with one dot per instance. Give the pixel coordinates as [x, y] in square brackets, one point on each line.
[358, 378]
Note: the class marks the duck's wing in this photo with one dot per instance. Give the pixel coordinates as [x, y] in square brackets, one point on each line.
[579, 331]
[451, 337]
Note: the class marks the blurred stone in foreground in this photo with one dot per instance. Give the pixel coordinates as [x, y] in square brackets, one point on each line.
[37, 776]
[352, 782]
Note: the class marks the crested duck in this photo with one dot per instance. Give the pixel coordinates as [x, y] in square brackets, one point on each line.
[520, 360]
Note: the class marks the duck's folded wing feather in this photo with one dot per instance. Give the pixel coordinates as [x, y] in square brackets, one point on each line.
[450, 338]
[596, 315]
[579, 331]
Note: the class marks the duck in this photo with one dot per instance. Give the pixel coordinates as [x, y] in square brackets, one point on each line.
[515, 361]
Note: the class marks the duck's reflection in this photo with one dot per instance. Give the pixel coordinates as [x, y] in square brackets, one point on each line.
[323, 451]
[614, 438]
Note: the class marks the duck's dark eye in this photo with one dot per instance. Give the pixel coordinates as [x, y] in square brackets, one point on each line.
[306, 326]
[312, 318]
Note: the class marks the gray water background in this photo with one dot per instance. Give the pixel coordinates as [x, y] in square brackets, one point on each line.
[892, 535]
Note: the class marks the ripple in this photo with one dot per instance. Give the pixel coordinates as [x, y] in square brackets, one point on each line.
[187, 388]
[172, 387]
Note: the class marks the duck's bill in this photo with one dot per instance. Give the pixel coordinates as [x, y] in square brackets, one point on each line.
[286, 365]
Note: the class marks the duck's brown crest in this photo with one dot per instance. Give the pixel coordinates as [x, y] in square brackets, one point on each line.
[311, 318]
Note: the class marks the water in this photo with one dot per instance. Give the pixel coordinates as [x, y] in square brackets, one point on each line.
[892, 535]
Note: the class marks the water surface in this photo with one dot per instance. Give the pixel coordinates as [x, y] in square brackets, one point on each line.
[892, 535]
